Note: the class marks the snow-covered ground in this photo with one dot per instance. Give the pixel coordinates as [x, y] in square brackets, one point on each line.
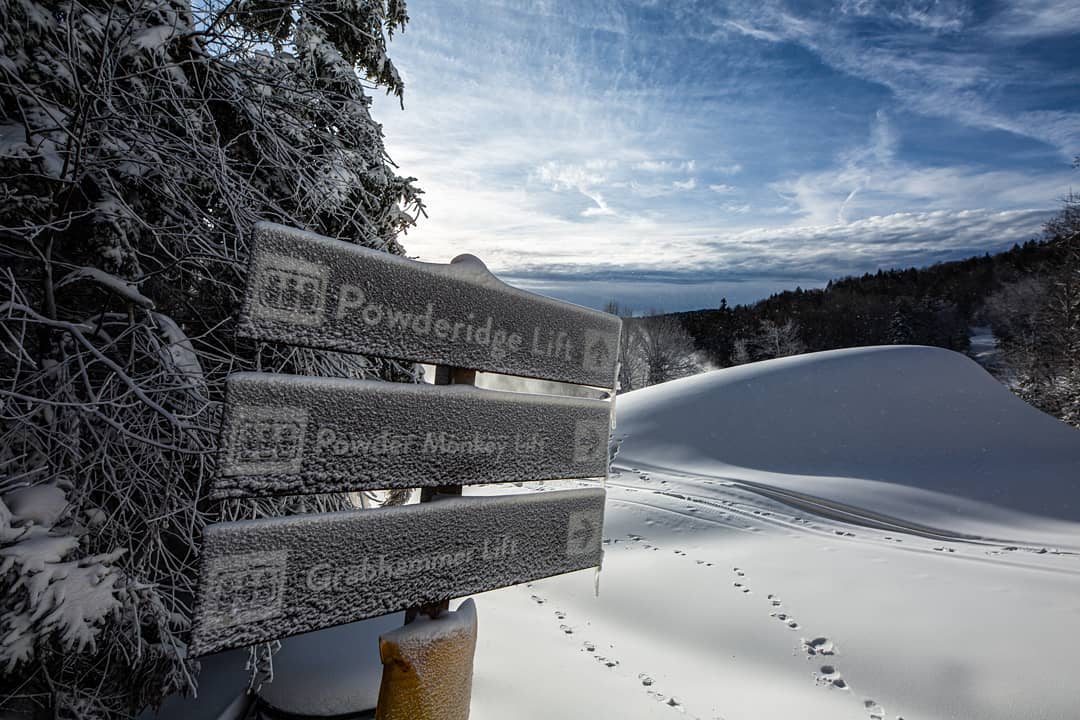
[872, 533]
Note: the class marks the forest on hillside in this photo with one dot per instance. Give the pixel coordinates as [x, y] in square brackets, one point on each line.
[1028, 295]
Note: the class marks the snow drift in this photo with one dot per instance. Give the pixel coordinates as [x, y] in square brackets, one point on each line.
[920, 434]
[794, 538]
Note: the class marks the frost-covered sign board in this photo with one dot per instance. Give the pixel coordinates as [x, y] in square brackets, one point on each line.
[290, 435]
[270, 578]
[285, 435]
[309, 290]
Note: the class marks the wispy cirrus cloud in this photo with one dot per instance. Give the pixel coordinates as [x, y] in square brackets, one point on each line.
[1030, 19]
[590, 148]
[957, 71]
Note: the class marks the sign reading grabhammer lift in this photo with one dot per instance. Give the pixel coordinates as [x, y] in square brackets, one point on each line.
[304, 289]
[270, 578]
[290, 435]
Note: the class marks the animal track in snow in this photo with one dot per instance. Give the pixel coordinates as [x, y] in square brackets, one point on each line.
[876, 711]
[567, 629]
[673, 703]
[828, 675]
[538, 600]
[738, 585]
[669, 701]
[819, 646]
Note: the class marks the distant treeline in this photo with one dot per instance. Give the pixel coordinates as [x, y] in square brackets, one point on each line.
[1028, 296]
[936, 305]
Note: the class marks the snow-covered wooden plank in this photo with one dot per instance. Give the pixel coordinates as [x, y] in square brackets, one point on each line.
[292, 435]
[271, 578]
[305, 289]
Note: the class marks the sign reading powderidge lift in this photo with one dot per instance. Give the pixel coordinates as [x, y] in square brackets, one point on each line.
[274, 577]
[308, 290]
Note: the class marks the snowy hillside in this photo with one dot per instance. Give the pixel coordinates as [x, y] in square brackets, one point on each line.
[871, 533]
[920, 434]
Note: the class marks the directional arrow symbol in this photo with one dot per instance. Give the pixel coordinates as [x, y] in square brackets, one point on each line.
[599, 352]
[587, 442]
[583, 533]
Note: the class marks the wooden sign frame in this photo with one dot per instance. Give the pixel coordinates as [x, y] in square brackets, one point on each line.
[304, 289]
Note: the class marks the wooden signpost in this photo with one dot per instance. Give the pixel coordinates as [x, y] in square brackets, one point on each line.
[288, 435]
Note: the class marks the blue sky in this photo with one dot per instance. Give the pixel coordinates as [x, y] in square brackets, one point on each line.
[667, 154]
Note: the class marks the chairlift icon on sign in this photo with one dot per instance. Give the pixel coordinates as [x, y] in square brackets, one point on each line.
[291, 290]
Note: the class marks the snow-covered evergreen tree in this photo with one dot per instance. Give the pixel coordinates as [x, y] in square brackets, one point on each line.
[900, 332]
[139, 142]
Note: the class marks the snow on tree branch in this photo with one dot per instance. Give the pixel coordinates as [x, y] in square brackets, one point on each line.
[140, 142]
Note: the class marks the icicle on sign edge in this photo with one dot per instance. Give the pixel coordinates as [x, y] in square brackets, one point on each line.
[309, 290]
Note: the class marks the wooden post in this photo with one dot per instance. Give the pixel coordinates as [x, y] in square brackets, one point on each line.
[433, 678]
[428, 668]
[444, 375]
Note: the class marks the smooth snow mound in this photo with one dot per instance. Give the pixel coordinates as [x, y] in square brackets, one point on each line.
[937, 437]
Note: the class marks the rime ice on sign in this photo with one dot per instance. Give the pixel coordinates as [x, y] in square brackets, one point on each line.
[290, 290]
[265, 439]
[287, 434]
[275, 577]
[306, 289]
[272, 578]
[246, 588]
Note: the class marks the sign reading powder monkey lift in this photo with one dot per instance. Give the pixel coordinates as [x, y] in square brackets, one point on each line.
[290, 435]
